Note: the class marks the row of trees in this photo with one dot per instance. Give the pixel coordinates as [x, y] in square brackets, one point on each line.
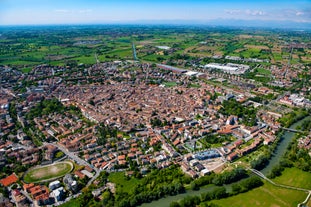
[220, 179]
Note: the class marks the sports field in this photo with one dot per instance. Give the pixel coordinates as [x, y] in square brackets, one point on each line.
[42, 173]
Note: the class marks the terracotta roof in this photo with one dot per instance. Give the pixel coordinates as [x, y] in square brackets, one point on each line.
[27, 187]
[9, 180]
[79, 174]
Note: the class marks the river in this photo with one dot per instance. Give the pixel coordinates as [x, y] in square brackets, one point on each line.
[165, 202]
[287, 137]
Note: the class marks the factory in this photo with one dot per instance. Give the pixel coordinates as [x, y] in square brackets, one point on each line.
[228, 68]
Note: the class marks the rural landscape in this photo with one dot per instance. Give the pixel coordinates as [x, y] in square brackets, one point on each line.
[169, 115]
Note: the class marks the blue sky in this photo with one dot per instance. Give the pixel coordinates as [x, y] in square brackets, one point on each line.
[114, 11]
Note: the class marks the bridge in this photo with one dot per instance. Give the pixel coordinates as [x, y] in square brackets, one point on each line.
[261, 175]
[292, 130]
[288, 129]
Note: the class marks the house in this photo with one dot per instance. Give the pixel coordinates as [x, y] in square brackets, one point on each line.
[79, 174]
[18, 197]
[232, 156]
[27, 187]
[192, 174]
[129, 173]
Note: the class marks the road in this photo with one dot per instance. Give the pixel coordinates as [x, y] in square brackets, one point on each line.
[27, 196]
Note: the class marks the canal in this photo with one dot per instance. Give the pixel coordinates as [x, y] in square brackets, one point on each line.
[286, 139]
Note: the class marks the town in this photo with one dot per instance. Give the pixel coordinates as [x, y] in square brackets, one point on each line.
[64, 128]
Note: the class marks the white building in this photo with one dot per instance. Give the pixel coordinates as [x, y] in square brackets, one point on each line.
[58, 194]
[54, 185]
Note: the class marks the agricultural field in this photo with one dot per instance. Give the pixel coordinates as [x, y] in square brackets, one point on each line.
[80, 45]
[42, 173]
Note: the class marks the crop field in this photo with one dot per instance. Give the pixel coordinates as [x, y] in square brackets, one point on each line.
[42, 173]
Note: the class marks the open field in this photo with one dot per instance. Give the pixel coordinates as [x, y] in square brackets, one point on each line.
[42, 173]
[123, 183]
[269, 195]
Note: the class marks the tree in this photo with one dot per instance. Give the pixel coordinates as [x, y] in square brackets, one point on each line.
[220, 193]
[174, 204]
[194, 186]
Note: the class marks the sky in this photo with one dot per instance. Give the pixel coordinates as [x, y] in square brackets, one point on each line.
[25, 12]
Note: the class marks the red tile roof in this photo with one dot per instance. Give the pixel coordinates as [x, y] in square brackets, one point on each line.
[9, 180]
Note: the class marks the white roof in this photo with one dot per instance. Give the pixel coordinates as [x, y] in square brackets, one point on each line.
[191, 73]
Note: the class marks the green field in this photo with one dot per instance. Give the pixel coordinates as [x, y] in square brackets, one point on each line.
[123, 183]
[263, 71]
[41, 173]
[170, 84]
[272, 196]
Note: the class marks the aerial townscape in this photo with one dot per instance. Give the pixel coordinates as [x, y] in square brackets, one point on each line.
[134, 114]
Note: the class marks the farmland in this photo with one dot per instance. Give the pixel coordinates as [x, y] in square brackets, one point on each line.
[81, 45]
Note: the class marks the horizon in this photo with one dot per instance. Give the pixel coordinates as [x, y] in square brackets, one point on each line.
[47, 12]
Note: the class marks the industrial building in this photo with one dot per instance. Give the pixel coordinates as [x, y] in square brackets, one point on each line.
[228, 68]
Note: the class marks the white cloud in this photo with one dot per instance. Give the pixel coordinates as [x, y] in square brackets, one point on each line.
[233, 11]
[255, 12]
[247, 12]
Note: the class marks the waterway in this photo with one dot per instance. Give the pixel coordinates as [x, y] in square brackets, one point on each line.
[286, 139]
[165, 202]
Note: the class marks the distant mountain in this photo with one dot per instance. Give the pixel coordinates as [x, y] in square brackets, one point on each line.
[229, 22]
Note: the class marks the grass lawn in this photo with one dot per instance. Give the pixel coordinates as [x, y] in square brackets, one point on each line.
[123, 183]
[194, 85]
[269, 195]
[26, 70]
[295, 177]
[263, 71]
[170, 84]
[39, 174]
